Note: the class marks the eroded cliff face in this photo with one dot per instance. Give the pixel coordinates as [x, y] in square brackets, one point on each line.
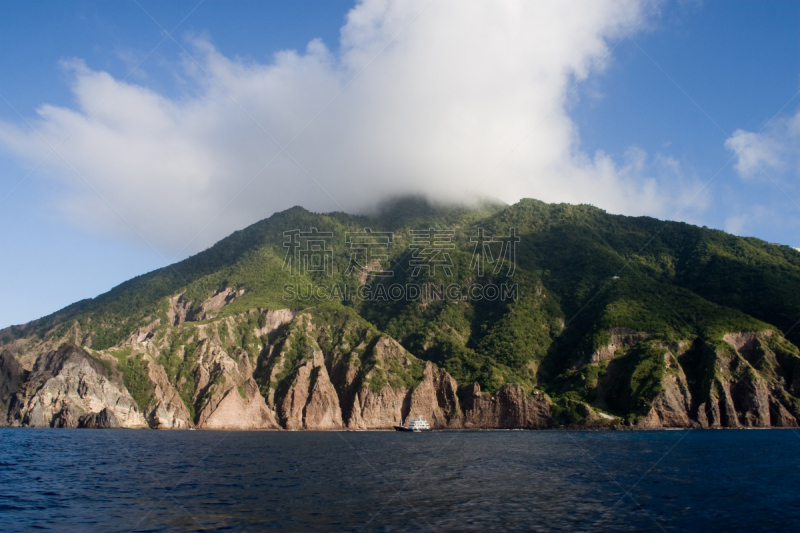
[11, 378]
[201, 375]
[166, 409]
[275, 369]
[753, 383]
[746, 379]
[509, 408]
[344, 375]
[181, 310]
[264, 369]
[68, 388]
[621, 338]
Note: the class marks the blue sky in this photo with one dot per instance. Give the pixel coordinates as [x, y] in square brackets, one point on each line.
[682, 110]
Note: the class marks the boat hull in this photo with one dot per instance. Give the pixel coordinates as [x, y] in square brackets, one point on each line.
[401, 428]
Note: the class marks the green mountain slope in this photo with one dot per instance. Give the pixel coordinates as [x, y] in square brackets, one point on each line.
[636, 317]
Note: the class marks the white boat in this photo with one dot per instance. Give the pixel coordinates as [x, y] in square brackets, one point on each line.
[417, 425]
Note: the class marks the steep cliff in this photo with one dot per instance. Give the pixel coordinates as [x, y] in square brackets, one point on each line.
[741, 379]
[11, 378]
[331, 370]
[509, 408]
[320, 371]
[65, 386]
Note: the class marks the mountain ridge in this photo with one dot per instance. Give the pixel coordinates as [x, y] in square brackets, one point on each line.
[599, 319]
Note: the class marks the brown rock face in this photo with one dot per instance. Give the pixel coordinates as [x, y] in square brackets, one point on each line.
[182, 310]
[370, 406]
[621, 338]
[322, 410]
[10, 382]
[378, 410]
[179, 309]
[780, 416]
[510, 408]
[292, 372]
[371, 384]
[673, 407]
[233, 411]
[105, 419]
[67, 384]
[273, 319]
[167, 410]
[312, 401]
[747, 387]
[201, 375]
[220, 299]
[435, 399]
[434, 396]
[276, 369]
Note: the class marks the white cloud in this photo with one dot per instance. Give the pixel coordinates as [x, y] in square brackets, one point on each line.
[434, 110]
[754, 152]
[774, 149]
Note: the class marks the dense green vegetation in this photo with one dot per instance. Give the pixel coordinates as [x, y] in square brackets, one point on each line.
[579, 273]
[180, 368]
[638, 379]
[135, 376]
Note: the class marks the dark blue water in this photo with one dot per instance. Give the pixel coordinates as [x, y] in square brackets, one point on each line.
[119, 480]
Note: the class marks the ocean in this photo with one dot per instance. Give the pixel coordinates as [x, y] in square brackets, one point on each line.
[140, 480]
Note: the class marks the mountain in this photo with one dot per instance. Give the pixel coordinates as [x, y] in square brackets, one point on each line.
[531, 315]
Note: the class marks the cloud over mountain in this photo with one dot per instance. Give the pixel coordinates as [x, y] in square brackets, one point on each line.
[449, 99]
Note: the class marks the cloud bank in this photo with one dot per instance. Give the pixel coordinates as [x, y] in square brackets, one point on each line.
[454, 100]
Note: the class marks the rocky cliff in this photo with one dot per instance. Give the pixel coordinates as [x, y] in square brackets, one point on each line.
[276, 369]
[11, 378]
[261, 370]
[324, 370]
[69, 388]
[745, 379]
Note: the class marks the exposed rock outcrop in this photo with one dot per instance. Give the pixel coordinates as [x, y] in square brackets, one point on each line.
[275, 369]
[217, 377]
[105, 419]
[372, 401]
[239, 408]
[273, 319]
[369, 382]
[509, 408]
[67, 384]
[739, 383]
[181, 310]
[11, 374]
[220, 299]
[166, 410]
[673, 406]
[621, 338]
[436, 399]
[380, 409]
